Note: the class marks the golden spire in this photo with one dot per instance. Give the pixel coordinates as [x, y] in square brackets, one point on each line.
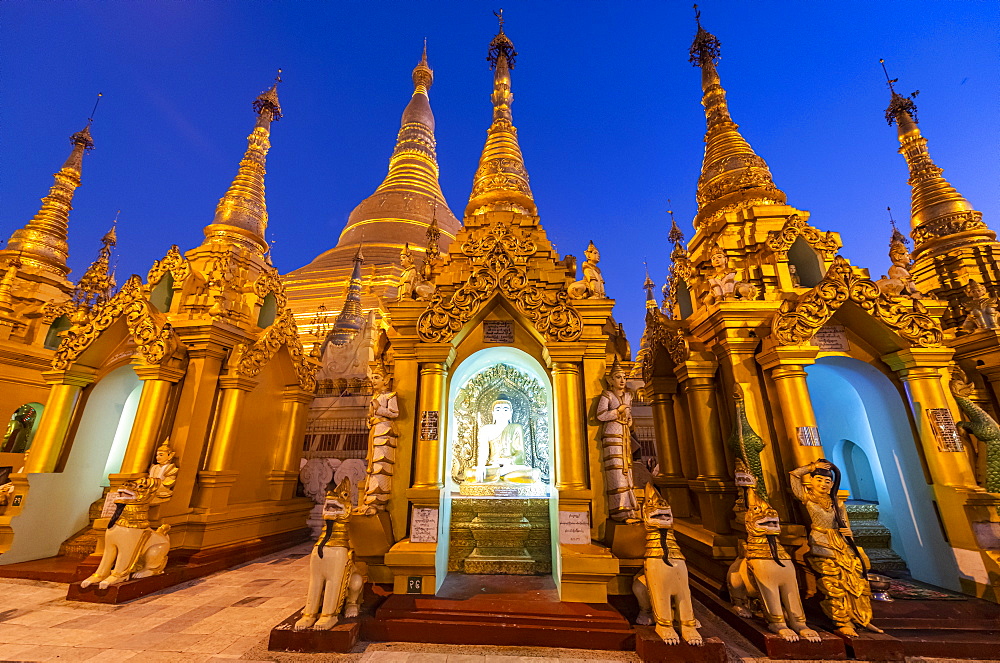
[941, 218]
[97, 284]
[404, 201]
[241, 216]
[731, 172]
[42, 242]
[501, 181]
[351, 317]
[648, 286]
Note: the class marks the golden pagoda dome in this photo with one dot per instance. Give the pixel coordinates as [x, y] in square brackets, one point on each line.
[403, 206]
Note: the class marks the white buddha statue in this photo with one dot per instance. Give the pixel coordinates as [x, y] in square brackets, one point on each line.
[501, 449]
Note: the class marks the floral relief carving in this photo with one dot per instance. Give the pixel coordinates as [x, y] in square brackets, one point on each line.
[173, 263]
[249, 360]
[796, 323]
[779, 241]
[154, 339]
[499, 259]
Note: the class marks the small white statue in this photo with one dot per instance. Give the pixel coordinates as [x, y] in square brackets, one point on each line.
[614, 410]
[723, 283]
[164, 471]
[591, 286]
[662, 588]
[899, 281]
[131, 547]
[411, 284]
[382, 439]
[764, 571]
[334, 584]
[982, 308]
[500, 448]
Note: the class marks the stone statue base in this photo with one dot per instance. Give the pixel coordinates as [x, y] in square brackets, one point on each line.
[341, 638]
[503, 489]
[650, 648]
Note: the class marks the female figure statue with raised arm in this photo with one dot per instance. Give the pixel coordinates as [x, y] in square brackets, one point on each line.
[833, 555]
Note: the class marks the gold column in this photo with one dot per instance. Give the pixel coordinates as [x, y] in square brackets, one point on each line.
[144, 437]
[920, 369]
[54, 426]
[671, 476]
[217, 479]
[570, 445]
[427, 469]
[796, 411]
[713, 489]
[294, 411]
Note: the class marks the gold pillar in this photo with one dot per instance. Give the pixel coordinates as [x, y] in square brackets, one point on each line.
[60, 407]
[796, 411]
[217, 479]
[920, 369]
[713, 489]
[294, 411]
[671, 477]
[427, 468]
[571, 446]
[156, 384]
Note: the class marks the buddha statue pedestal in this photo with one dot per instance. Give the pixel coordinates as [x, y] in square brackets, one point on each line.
[499, 536]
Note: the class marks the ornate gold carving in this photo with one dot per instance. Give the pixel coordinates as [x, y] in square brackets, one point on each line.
[795, 324]
[249, 360]
[52, 310]
[155, 341]
[949, 224]
[665, 335]
[500, 258]
[269, 282]
[173, 263]
[779, 241]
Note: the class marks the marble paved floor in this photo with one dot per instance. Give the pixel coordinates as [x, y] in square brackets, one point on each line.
[224, 616]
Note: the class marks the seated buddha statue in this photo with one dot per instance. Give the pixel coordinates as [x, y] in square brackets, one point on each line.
[501, 449]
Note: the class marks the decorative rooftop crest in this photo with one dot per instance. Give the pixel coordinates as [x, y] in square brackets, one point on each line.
[706, 48]
[898, 104]
[269, 100]
[501, 45]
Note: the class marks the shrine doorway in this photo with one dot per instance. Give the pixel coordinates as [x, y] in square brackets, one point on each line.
[496, 515]
[60, 501]
[865, 428]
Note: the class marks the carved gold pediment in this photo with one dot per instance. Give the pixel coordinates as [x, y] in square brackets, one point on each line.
[249, 360]
[779, 241]
[173, 263]
[499, 264]
[796, 323]
[153, 336]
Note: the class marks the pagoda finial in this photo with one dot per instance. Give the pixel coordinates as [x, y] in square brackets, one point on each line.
[501, 181]
[351, 317]
[940, 217]
[241, 215]
[42, 243]
[648, 286]
[675, 236]
[731, 171]
[423, 75]
[97, 284]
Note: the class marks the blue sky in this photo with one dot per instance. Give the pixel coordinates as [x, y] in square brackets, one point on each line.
[606, 105]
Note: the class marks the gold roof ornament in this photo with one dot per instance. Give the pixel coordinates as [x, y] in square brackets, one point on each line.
[97, 284]
[351, 318]
[941, 217]
[241, 215]
[731, 171]
[42, 242]
[648, 286]
[501, 181]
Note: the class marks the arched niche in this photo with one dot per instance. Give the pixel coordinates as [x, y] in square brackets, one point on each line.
[855, 401]
[857, 471]
[684, 299]
[477, 364]
[268, 311]
[60, 501]
[808, 265]
[59, 325]
[162, 294]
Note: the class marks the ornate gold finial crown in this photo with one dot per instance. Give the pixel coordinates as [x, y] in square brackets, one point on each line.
[423, 75]
[268, 100]
[898, 104]
[616, 367]
[165, 446]
[706, 48]
[501, 46]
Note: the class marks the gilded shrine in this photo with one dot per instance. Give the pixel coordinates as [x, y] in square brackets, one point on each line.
[444, 401]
